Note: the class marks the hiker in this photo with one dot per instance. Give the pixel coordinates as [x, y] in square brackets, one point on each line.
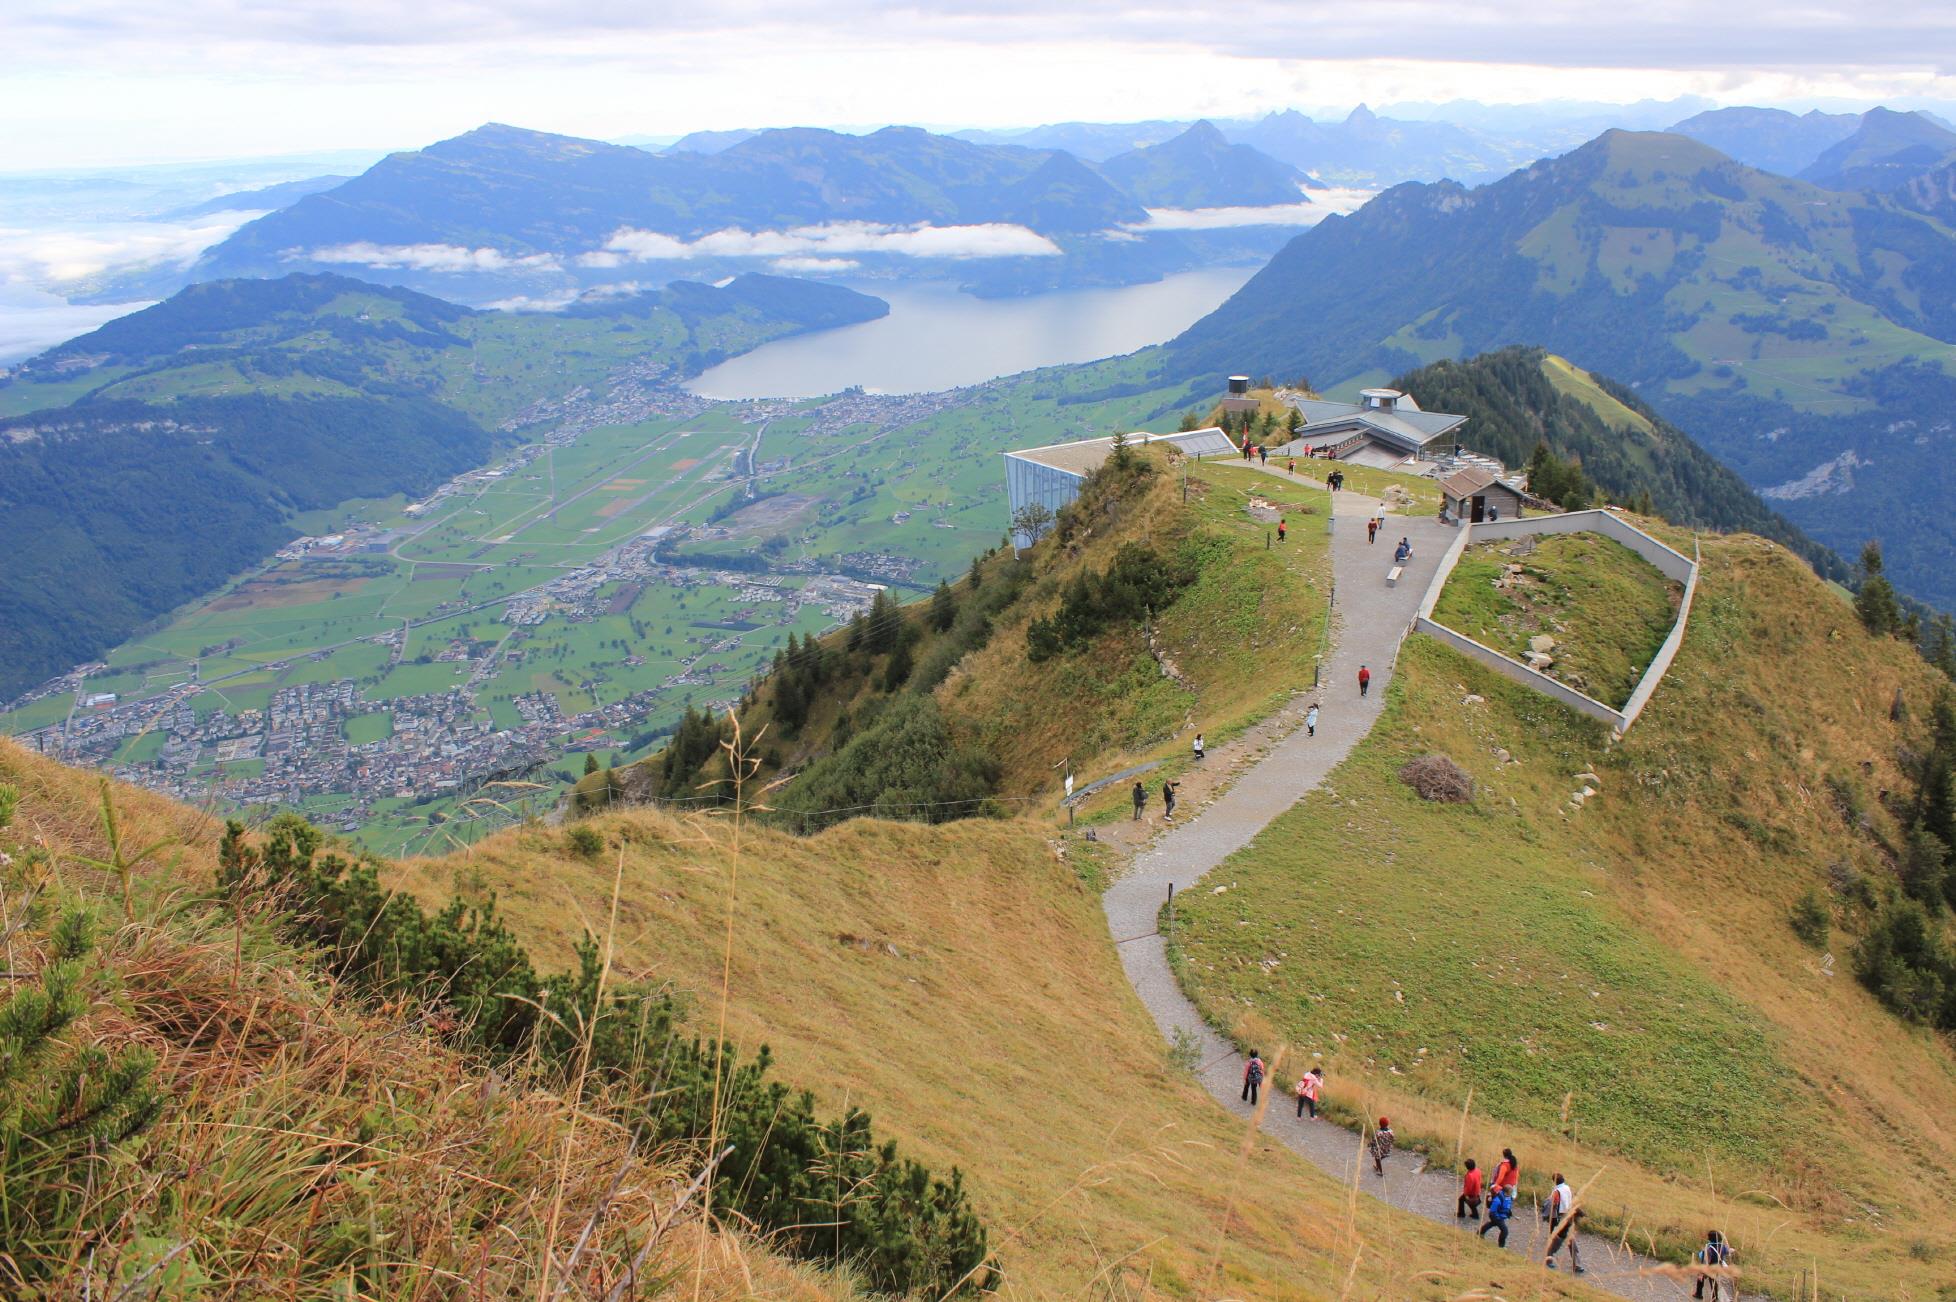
[1716, 1252]
[1140, 800]
[1507, 1172]
[1168, 798]
[1404, 552]
[1493, 514]
[1249, 450]
[1500, 1207]
[1282, 524]
[1468, 1205]
[1290, 466]
[1199, 750]
[1262, 455]
[1562, 1213]
[1309, 1086]
[1364, 680]
[1311, 720]
[1252, 1077]
[1371, 531]
[1381, 1146]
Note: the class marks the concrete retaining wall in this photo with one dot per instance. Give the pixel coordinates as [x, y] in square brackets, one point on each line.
[1670, 563]
[1521, 673]
[1666, 653]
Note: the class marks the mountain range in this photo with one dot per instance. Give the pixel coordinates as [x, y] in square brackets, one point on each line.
[1804, 335]
[501, 210]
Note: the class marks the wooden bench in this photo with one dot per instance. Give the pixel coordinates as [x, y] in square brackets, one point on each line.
[1392, 575]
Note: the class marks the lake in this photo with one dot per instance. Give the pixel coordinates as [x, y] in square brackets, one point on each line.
[938, 338]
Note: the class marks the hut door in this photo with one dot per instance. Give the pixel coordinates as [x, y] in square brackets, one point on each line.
[1480, 508]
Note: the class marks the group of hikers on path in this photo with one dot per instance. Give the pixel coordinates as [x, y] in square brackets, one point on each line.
[1561, 1211]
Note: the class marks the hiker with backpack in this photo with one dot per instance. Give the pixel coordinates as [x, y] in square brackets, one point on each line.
[1468, 1205]
[1381, 1146]
[1140, 800]
[1309, 1086]
[1716, 1252]
[1561, 1212]
[1168, 798]
[1500, 1208]
[1252, 1078]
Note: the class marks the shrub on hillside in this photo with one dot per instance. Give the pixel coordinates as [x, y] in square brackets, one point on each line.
[1437, 778]
[1811, 919]
[903, 764]
[1141, 580]
[1906, 963]
[66, 1102]
[902, 1229]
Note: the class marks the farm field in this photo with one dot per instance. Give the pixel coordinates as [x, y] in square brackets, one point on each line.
[575, 596]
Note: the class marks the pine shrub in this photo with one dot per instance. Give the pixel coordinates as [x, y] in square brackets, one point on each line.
[824, 1189]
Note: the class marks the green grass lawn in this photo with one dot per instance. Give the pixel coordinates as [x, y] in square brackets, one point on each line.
[364, 728]
[1607, 608]
[1449, 946]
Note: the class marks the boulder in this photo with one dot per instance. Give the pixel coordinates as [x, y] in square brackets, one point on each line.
[1589, 779]
[1539, 661]
[1541, 642]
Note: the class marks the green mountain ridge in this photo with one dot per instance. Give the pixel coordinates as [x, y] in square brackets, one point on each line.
[1785, 325]
[1517, 396]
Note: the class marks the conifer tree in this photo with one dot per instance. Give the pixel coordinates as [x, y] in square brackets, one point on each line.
[1880, 613]
[943, 608]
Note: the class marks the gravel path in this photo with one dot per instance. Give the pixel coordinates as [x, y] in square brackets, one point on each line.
[1370, 621]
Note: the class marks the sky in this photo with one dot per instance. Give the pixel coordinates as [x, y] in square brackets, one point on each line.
[93, 83]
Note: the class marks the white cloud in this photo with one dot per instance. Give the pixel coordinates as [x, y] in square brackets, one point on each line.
[31, 320]
[59, 255]
[426, 257]
[541, 303]
[987, 240]
[813, 266]
[1321, 204]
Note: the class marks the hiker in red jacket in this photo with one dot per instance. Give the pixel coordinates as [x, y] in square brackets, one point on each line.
[1468, 1205]
[1364, 680]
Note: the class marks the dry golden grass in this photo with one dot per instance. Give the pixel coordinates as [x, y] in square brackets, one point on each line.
[311, 1147]
[956, 982]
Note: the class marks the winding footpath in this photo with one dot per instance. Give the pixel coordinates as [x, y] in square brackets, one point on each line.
[1370, 621]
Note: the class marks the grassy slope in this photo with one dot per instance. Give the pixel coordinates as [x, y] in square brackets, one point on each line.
[886, 965]
[1607, 608]
[300, 1127]
[1632, 957]
[1241, 636]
